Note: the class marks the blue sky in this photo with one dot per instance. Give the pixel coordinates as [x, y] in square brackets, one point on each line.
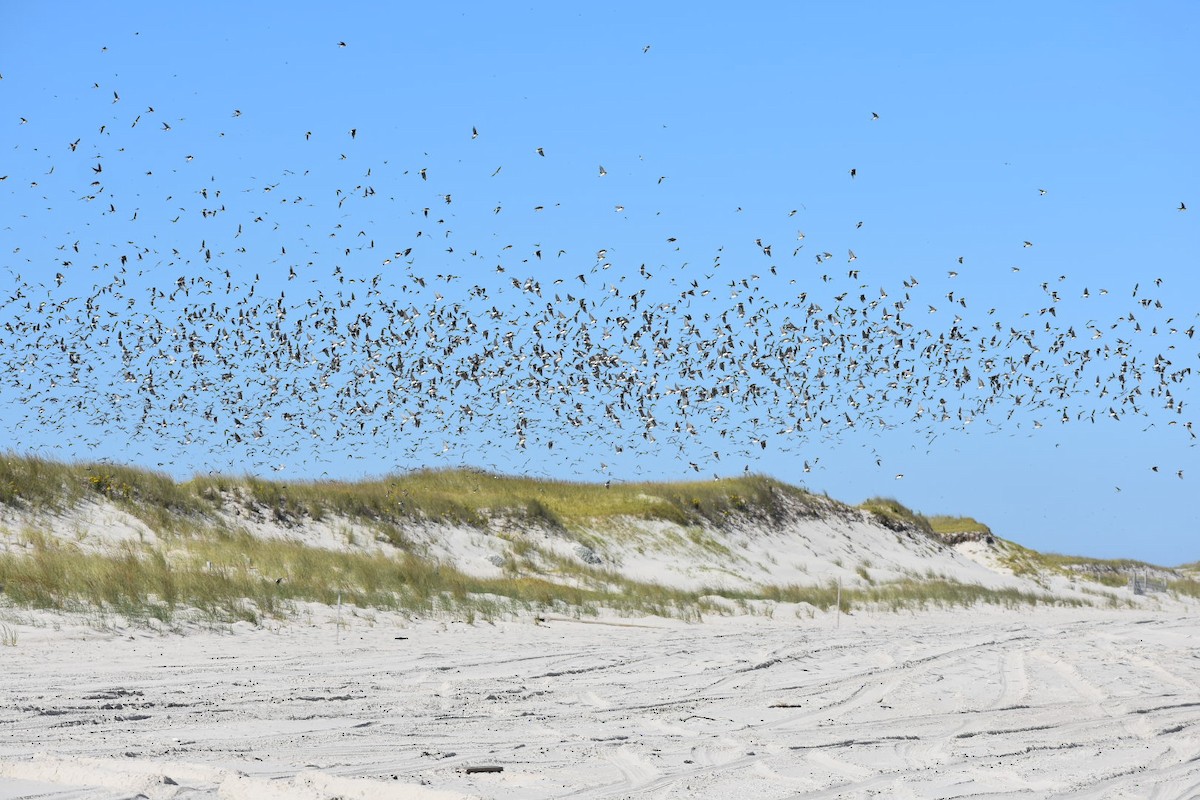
[1062, 125]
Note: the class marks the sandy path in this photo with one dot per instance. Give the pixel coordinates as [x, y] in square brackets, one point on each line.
[988, 704]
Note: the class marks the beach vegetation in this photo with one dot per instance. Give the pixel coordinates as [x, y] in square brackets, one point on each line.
[943, 525]
[895, 515]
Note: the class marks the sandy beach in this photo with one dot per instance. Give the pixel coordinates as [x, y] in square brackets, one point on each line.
[989, 703]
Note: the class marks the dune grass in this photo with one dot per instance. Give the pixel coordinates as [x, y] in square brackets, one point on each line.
[905, 595]
[1189, 587]
[941, 593]
[454, 496]
[1109, 572]
[241, 577]
[37, 483]
[895, 515]
[942, 525]
[472, 497]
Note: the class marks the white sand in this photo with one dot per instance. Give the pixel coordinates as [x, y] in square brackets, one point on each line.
[984, 703]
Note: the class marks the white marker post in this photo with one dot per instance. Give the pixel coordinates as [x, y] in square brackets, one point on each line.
[338, 635]
[838, 617]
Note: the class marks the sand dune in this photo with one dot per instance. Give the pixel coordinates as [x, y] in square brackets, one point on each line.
[837, 543]
[775, 700]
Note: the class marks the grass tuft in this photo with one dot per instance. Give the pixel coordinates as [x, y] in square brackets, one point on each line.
[943, 525]
[1188, 587]
[893, 514]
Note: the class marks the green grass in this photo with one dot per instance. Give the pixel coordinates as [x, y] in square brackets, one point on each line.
[893, 514]
[460, 496]
[1189, 587]
[905, 595]
[942, 525]
[470, 496]
[32, 482]
[241, 577]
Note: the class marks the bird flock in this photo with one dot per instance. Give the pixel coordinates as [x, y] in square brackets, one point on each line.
[167, 298]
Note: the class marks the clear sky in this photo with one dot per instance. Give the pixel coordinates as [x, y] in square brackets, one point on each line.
[343, 240]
